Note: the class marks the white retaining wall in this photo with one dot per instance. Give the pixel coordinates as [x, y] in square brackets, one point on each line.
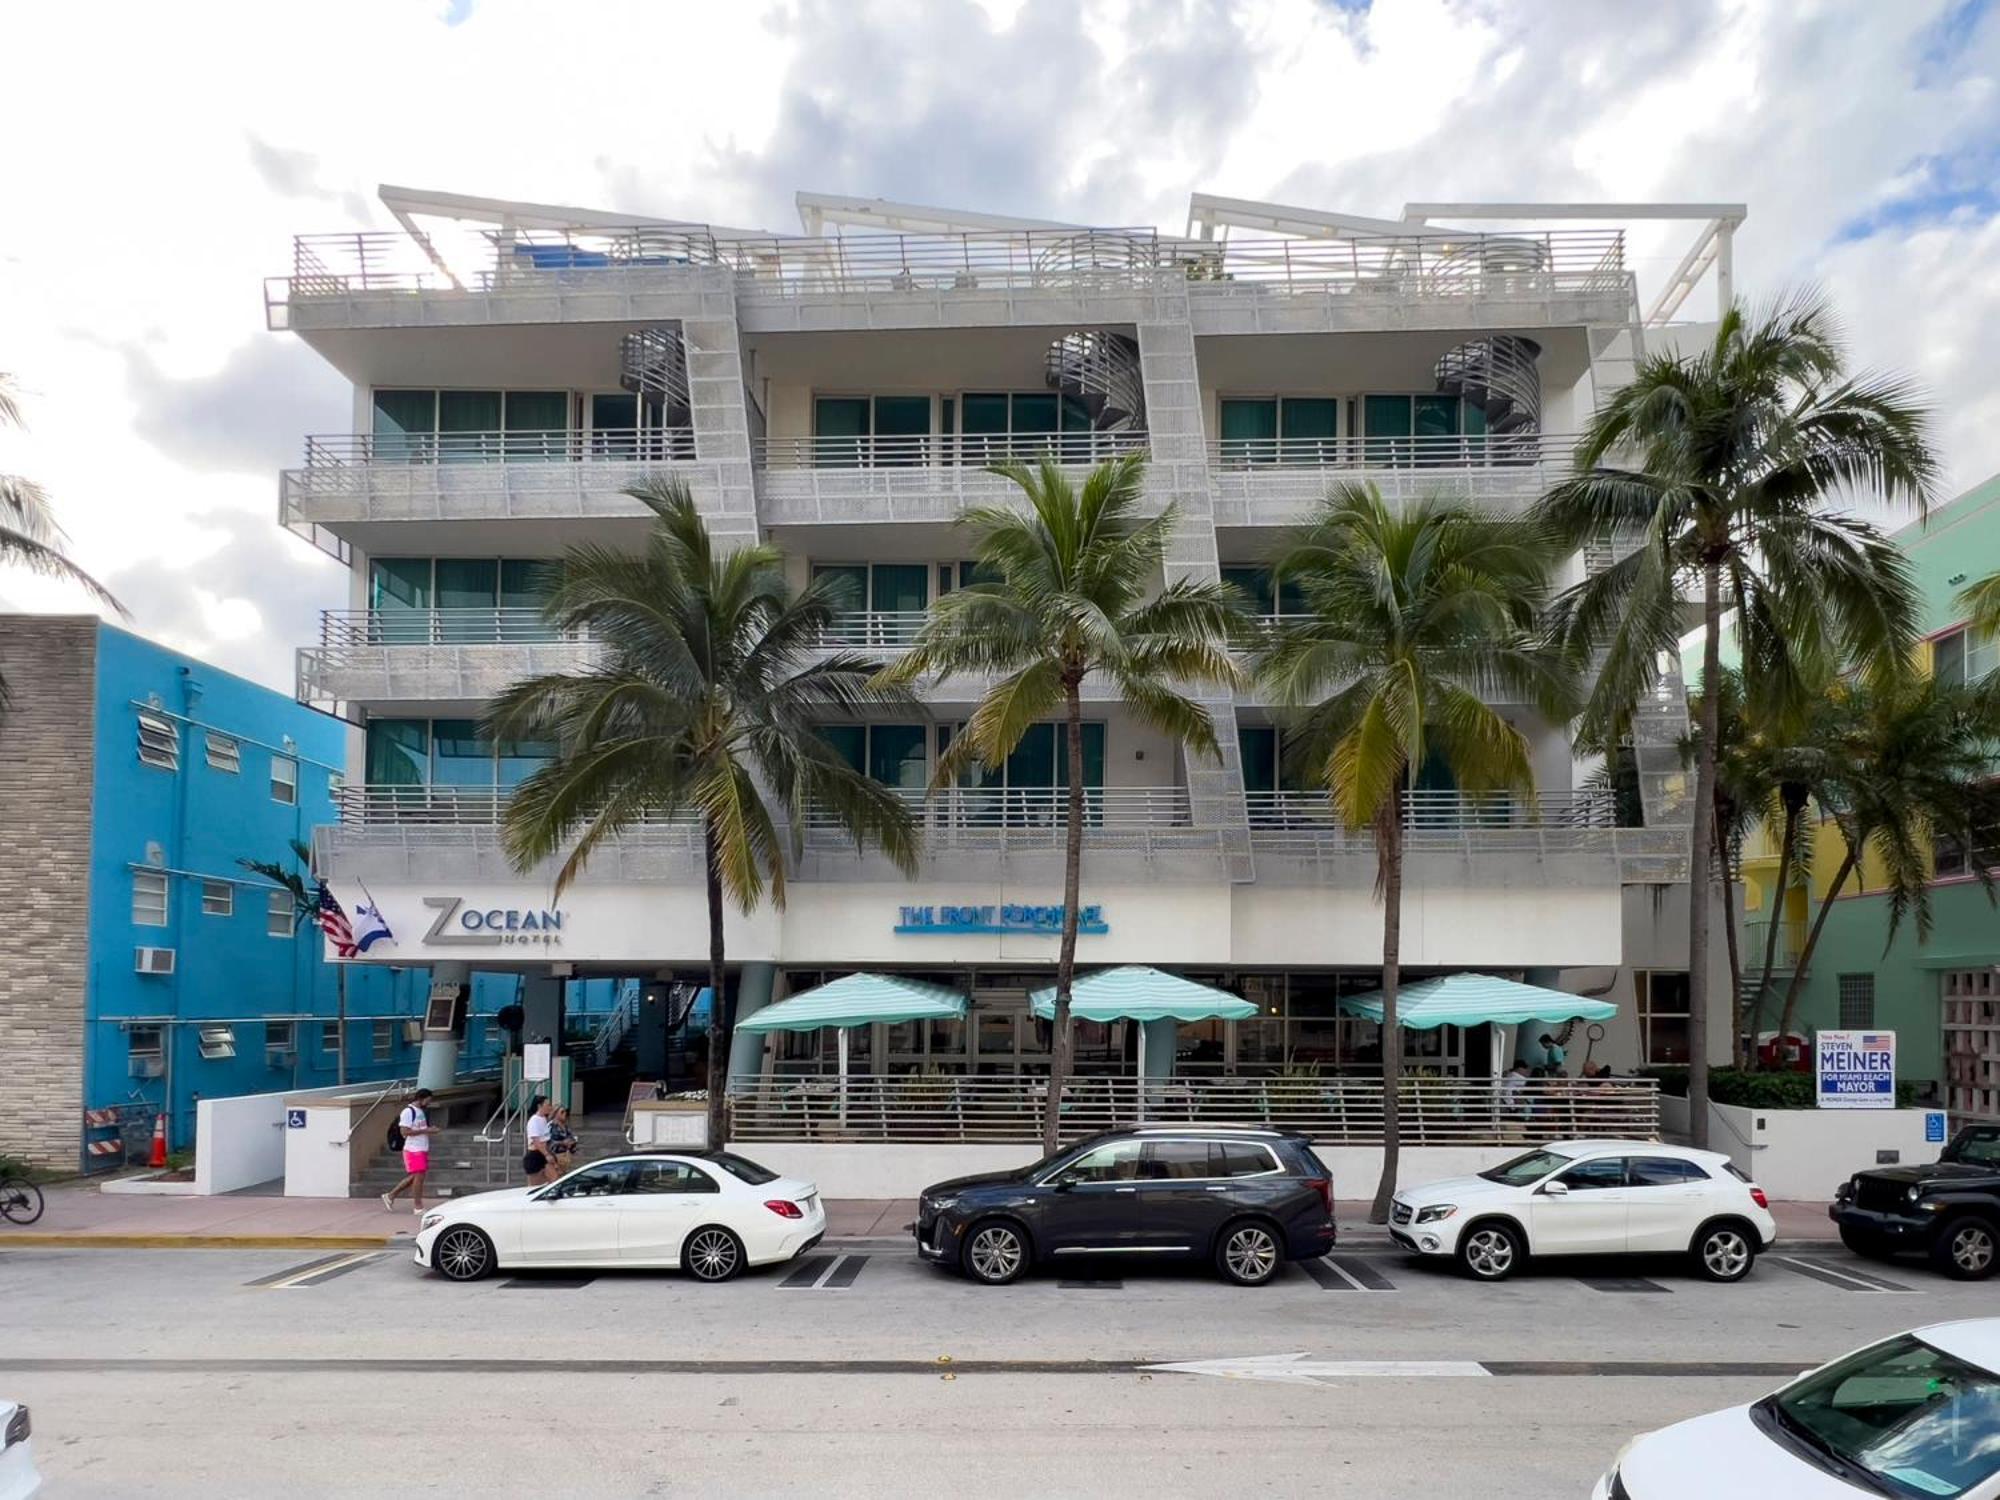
[240, 1142]
[1804, 1154]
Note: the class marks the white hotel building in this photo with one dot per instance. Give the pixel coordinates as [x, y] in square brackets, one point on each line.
[837, 392]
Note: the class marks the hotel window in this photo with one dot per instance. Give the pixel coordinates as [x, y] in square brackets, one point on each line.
[1023, 790]
[457, 600]
[216, 1041]
[382, 1041]
[430, 426]
[1267, 772]
[893, 754]
[893, 596]
[284, 780]
[329, 1037]
[1426, 429]
[218, 898]
[858, 431]
[1024, 424]
[1961, 656]
[1857, 1002]
[279, 1036]
[1280, 429]
[1266, 598]
[280, 917]
[159, 741]
[148, 1041]
[149, 898]
[1663, 1016]
[223, 753]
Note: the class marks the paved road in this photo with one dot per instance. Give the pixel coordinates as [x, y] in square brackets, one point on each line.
[862, 1372]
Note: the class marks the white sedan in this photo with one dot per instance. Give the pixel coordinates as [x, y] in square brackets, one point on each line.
[19, 1478]
[1591, 1198]
[1915, 1415]
[711, 1213]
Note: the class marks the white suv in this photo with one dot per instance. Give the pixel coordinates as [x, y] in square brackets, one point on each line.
[1591, 1198]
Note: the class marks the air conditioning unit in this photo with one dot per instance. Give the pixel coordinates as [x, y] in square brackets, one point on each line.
[152, 960]
[279, 1057]
[144, 1066]
[413, 1032]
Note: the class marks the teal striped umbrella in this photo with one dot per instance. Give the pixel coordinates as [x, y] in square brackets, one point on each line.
[1475, 999]
[1134, 992]
[859, 1000]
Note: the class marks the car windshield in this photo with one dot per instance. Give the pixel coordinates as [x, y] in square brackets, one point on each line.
[1523, 1170]
[741, 1168]
[1975, 1148]
[1910, 1417]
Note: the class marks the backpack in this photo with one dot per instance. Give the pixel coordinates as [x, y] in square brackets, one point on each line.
[396, 1134]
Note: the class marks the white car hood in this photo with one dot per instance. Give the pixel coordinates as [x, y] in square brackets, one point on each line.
[1453, 1190]
[498, 1198]
[1723, 1456]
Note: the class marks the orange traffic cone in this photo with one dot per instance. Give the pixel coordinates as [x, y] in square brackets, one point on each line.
[159, 1158]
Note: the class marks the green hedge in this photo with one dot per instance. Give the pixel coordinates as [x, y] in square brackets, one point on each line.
[1760, 1090]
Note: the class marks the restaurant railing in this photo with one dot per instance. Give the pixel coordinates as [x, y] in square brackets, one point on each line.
[1338, 1110]
[341, 450]
[947, 450]
[1517, 450]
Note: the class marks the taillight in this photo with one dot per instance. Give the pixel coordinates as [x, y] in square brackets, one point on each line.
[1757, 1196]
[1324, 1187]
[784, 1208]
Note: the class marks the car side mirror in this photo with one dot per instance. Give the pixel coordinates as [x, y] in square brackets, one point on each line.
[1063, 1184]
[1556, 1189]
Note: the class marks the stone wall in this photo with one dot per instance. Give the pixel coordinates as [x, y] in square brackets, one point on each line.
[46, 763]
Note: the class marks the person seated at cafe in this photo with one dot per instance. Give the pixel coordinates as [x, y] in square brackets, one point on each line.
[1513, 1103]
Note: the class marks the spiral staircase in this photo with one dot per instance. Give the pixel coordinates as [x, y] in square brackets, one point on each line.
[653, 364]
[1100, 370]
[1498, 375]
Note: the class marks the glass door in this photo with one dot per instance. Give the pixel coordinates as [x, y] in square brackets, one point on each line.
[902, 429]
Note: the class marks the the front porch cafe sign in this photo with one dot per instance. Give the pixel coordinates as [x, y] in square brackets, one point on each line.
[1043, 921]
[460, 926]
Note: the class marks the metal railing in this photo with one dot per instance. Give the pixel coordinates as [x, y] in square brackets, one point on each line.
[444, 806]
[1480, 451]
[357, 628]
[1018, 811]
[499, 1130]
[874, 630]
[1335, 1109]
[617, 1025]
[1431, 264]
[340, 450]
[1436, 819]
[1785, 956]
[947, 450]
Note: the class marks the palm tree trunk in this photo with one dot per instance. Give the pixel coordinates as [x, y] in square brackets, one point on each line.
[1390, 853]
[1059, 1041]
[721, 1010]
[1791, 831]
[1698, 855]
[1792, 991]
[1723, 853]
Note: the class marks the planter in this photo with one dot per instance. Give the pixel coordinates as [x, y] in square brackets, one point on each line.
[176, 1183]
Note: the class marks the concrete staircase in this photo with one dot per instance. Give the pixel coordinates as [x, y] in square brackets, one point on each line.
[459, 1163]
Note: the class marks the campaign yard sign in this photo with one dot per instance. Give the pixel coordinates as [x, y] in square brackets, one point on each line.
[1857, 1069]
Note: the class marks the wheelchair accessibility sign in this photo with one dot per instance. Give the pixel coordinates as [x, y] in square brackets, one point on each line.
[1856, 1069]
[295, 1119]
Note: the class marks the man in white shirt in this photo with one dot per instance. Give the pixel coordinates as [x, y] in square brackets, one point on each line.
[535, 1161]
[1513, 1104]
[415, 1124]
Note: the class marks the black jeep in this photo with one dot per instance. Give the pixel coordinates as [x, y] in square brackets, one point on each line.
[1949, 1209]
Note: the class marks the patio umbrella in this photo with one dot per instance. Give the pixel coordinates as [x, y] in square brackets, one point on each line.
[1133, 992]
[1475, 999]
[857, 1000]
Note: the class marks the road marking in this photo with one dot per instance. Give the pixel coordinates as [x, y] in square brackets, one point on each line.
[1847, 1281]
[1371, 1279]
[846, 1272]
[291, 1271]
[1622, 1284]
[1298, 1369]
[317, 1271]
[807, 1272]
[1662, 1369]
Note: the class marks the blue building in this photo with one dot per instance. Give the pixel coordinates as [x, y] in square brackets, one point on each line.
[147, 968]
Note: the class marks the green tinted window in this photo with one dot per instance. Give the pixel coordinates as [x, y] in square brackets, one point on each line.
[459, 757]
[985, 414]
[1249, 420]
[840, 416]
[849, 741]
[1309, 417]
[896, 755]
[1258, 745]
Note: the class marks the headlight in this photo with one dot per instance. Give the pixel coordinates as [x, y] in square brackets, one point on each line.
[1914, 1194]
[431, 1220]
[1436, 1212]
[940, 1205]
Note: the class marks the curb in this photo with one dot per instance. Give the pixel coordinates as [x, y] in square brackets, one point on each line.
[29, 1240]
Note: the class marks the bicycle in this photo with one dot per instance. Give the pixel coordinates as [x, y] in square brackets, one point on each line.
[20, 1200]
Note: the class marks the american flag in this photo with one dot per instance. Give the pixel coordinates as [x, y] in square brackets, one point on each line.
[333, 922]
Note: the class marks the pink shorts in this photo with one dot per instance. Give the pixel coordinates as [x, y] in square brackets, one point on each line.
[416, 1161]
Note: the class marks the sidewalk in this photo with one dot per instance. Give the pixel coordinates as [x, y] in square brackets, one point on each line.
[78, 1216]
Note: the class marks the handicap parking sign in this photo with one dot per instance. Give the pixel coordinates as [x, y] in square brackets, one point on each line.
[295, 1119]
[1934, 1126]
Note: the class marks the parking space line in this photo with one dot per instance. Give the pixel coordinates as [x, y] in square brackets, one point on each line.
[1330, 1277]
[846, 1272]
[1847, 1281]
[354, 1263]
[1370, 1279]
[807, 1272]
[305, 1270]
[314, 1272]
[1623, 1284]
[1873, 1280]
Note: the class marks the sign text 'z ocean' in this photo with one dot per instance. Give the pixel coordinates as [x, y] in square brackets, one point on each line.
[1043, 920]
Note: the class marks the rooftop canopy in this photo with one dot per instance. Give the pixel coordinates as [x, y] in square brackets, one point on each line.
[1474, 999]
[1136, 993]
[857, 1000]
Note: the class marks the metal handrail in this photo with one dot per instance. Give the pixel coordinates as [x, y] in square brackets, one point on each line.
[386, 1090]
[624, 445]
[618, 1021]
[1432, 263]
[439, 627]
[1335, 1108]
[945, 450]
[1515, 450]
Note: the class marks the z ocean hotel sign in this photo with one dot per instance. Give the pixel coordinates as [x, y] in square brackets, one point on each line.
[461, 926]
[1042, 921]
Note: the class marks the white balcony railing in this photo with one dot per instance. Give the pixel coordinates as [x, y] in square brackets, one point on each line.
[1007, 1108]
[1427, 264]
[560, 445]
[962, 450]
[358, 628]
[1509, 451]
[1440, 820]
[874, 630]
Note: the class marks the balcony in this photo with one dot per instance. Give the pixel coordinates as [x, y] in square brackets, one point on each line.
[812, 481]
[430, 655]
[352, 480]
[1785, 956]
[1278, 481]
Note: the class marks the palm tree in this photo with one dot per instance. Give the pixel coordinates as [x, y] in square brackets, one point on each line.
[29, 535]
[1981, 602]
[305, 908]
[706, 701]
[1070, 590]
[1912, 766]
[1415, 621]
[1740, 447]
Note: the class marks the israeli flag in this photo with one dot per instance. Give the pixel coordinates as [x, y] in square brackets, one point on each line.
[369, 926]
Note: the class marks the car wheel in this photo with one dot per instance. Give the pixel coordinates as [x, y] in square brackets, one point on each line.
[712, 1253]
[1965, 1249]
[1490, 1252]
[1864, 1243]
[462, 1253]
[995, 1253]
[1247, 1254]
[1725, 1252]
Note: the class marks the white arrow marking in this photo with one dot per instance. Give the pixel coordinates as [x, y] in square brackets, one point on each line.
[1298, 1369]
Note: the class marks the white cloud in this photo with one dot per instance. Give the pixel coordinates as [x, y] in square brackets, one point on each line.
[139, 230]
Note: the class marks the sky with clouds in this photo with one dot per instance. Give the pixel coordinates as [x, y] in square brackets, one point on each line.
[161, 157]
